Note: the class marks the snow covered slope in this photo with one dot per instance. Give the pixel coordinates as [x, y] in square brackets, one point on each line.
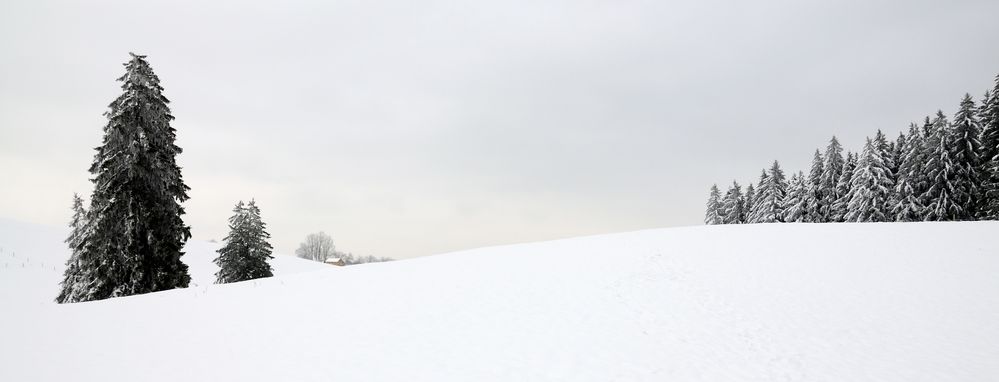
[794, 302]
[33, 258]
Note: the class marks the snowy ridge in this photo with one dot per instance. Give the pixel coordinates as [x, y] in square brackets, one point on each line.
[766, 302]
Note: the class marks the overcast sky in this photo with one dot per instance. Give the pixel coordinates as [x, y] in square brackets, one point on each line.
[408, 128]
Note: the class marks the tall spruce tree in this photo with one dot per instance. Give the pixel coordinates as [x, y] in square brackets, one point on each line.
[870, 187]
[71, 287]
[796, 203]
[135, 234]
[246, 251]
[712, 213]
[832, 169]
[750, 198]
[897, 156]
[942, 198]
[966, 150]
[988, 114]
[770, 197]
[753, 207]
[843, 187]
[911, 183]
[813, 200]
[886, 150]
[733, 205]
[897, 153]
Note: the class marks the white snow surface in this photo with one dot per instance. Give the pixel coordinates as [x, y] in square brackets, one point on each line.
[765, 302]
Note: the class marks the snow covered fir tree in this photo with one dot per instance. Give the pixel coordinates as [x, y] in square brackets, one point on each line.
[74, 276]
[134, 232]
[937, 171]
[246, 251]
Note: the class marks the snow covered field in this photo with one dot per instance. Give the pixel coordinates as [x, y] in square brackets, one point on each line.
[785, 302]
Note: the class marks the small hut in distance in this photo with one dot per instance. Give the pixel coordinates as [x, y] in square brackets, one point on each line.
[335, 261]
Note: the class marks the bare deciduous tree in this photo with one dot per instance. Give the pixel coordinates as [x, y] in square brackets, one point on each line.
[317, 247]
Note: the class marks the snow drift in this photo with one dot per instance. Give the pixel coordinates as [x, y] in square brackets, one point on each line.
[768, 302]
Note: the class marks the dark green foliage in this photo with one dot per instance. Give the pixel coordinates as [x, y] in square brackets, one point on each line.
[753, 208]
[712, 214]
[813, 194]
[770, 197]
[942, 198]
[246, 251]
[912, 182]
[938, 171]
[733, 206]
[135, 232]
[988, 115]
[832, 169]
[796, 204]
[952, 166]
[869, 187]
[71, 285]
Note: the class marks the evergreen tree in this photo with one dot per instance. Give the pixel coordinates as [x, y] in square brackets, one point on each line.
[71, 288]
[813, 198]
[796, 204]
[989, 116]
[135, 233]
[870, 187]
[886, 151]
[246, 251]
[770, 197]
[753, 208]
[942, 197]
[897, 154]
[928, 125]
[712, 214]
[965, 151]
[843, 187]
[750, 198]
[907, 204]
[832, 169]
[732, 205]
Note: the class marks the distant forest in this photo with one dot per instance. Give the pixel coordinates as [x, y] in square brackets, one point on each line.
[939, 170]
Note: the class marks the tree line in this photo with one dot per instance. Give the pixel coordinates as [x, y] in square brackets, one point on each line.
[938, 170]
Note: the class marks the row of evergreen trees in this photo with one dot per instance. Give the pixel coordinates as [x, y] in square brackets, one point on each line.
[131, 238]
[938, 171]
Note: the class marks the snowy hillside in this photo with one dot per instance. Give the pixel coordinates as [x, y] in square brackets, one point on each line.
[795, 302]
[33, 257]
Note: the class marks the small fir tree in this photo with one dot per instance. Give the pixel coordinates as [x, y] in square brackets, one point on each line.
[965, 151]
[907, 204]
[988, 114]
[942, 197]
[753, 208]
[733, 205]
[246, 251]
[71, 287]
[813, 200]
[796, 204]
[843, 187]
[712, 214]
[832, 169]
[870, 187]
[770, 196]
[886, 151]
